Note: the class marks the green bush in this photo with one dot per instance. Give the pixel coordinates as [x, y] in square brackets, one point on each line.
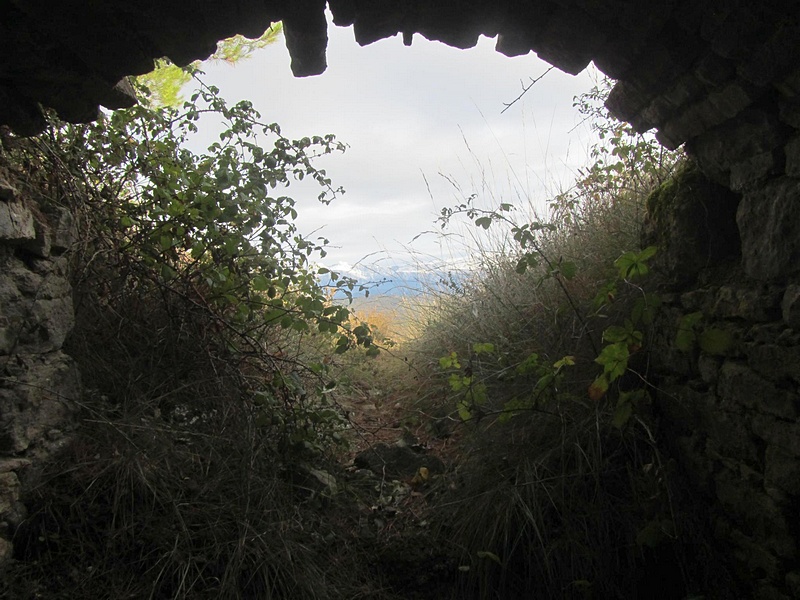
[203, 333]
[541, 354]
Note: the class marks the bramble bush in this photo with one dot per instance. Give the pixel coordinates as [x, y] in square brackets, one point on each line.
[204, 334]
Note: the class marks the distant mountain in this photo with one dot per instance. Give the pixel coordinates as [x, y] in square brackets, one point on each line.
[404, 283]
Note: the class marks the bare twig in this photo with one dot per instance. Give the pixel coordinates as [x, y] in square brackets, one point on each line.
[525, 89]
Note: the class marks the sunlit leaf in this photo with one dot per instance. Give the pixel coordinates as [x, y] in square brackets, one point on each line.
[598, 388]
[490, 555]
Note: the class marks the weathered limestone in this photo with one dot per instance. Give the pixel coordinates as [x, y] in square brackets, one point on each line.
[769, 224]
[39, 383]
[684, 67]
[720, 77]
[731, 417]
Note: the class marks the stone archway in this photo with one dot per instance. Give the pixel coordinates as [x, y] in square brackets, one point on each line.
[721, 77]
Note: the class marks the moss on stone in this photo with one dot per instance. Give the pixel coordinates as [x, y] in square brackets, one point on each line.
[663, 197]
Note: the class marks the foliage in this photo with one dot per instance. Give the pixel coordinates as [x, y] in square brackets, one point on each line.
[163, 85]
[541, 355]
[625, 167]
[204, 334]
[215, 221]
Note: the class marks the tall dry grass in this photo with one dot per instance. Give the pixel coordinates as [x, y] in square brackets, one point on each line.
[555, 499]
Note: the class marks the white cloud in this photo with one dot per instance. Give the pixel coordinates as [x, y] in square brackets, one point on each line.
[406, 112]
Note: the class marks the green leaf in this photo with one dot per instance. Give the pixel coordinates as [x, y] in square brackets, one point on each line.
[615, 334]
[484, 222]
[568, 269]
[622, 413]
[567, 361]
[260, 283]
[645, 309]
[484, 348]
[614, 359]
[449, 362]
[464, 410]
[530, 363]
[598, 388]
[490, 555]
[647, 253]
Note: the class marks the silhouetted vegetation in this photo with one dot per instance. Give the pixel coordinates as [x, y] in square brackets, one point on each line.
[211, 459]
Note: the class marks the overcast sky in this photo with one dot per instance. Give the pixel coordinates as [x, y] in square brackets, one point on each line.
[409, 114]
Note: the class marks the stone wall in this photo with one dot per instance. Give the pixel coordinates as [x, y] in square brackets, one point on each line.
[39, 383]
[722, 77]
[726, 364]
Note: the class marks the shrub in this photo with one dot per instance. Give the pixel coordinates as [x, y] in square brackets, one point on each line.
[202, 332]
[563, 492]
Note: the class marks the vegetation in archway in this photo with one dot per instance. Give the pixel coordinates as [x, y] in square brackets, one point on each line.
[207, 458]
[163, 85]
[205, 333]
[538, 361]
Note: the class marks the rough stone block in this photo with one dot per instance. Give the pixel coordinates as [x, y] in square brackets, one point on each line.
[776, 363]
[730, 101]
[13, 464]
[16, 223]
[713, 70]
[50, 323]
[692, 221]
[769, 591]
[758, 562]
[6, 550]
[626, 100]
[773, 57]
[782, 470]
[789, 111]
[7, 191]
[769, 225]
[684, 91]
[708, 368]
[729, 438]
[751, 172]
[740, 387]
[37, 395]
[785, 435]
[754, 305]
[656, 113]
[9, 492]
[750, 133]
[790, 306]
[793, 583]
[62, 229]
[789, 86]
[13, 312]
[758, 513]
[37, 311]
[40, 245]
[792, 151]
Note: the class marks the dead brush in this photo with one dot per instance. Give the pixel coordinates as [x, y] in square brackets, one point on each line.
[553, 506]
[137, 507]
[173, 485]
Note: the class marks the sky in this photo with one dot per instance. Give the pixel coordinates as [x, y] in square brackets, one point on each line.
[424, 129]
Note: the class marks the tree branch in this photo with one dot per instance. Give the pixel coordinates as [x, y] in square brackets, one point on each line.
[525, 90]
